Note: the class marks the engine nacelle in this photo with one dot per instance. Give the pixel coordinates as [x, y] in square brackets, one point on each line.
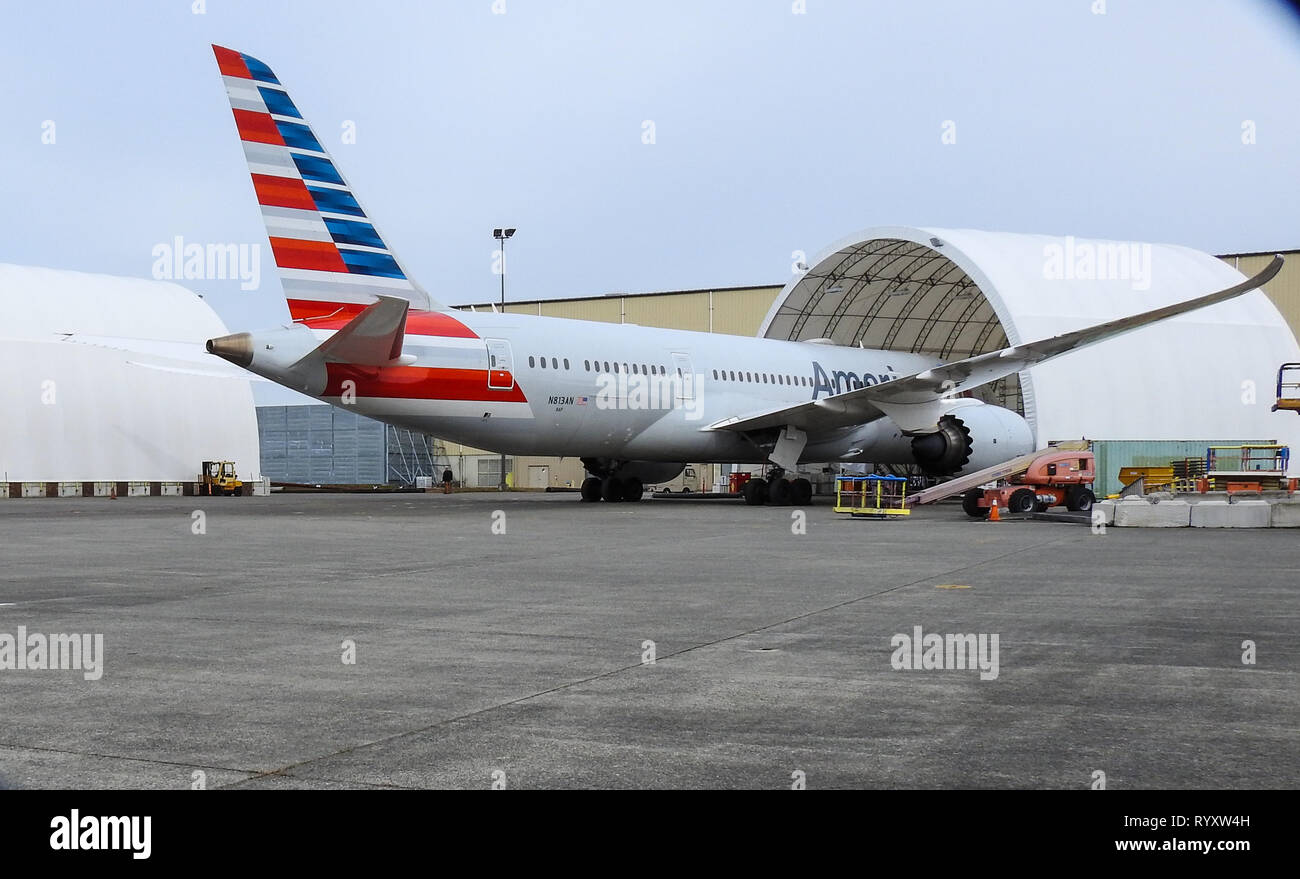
[971, 438]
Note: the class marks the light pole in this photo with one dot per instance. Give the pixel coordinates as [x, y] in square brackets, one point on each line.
[502, 235]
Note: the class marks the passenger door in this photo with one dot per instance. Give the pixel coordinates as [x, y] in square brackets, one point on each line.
[501, 365]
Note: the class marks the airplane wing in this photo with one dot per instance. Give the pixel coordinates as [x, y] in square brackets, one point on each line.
[910, 400]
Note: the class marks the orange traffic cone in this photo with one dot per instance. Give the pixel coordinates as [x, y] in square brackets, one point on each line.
[993, 512]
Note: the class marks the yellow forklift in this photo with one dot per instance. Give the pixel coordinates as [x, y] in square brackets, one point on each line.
[219, 477]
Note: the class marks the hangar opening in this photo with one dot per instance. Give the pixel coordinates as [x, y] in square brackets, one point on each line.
[896, 295]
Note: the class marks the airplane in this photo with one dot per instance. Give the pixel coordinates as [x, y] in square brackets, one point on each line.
[633, 403]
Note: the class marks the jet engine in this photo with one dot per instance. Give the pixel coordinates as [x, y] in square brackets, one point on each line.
[971, 438]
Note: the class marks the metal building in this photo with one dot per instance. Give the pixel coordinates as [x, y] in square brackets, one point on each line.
[315, 444]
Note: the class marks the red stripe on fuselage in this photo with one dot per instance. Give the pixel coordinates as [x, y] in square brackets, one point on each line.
[321, 315]
[417, 383]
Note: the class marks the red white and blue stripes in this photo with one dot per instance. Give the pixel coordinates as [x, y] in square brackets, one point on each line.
[329, 253]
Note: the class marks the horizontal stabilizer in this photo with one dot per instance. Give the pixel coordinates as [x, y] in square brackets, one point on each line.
[372, 338]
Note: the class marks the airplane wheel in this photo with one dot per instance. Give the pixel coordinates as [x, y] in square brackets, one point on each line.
[1022, 500]
[779, 492]
[1079, 500]
[755, 492]
[800, 492]
[591, 489]
[611, 489]
[632, 489]
[970, 503]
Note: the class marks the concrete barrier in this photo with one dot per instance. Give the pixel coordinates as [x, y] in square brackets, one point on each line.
[1250, 514]
[1103, 512]
[1140, 514]
[1211, 514]
[1285, 514]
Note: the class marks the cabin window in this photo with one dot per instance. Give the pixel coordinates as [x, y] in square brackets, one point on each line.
[586, 366]
[531, 362]
[634, 369]
[566, 363]
[543, 362]
[554, 364]
[616, 366]
[644, 370]
[715, 375]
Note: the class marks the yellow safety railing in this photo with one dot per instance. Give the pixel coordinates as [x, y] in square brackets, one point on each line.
[879, 496]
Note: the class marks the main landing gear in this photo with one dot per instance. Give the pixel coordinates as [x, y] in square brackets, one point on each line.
[777, 490]
[612, 489]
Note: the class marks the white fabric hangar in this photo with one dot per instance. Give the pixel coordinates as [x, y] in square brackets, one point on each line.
[106, 379]
[953, 293]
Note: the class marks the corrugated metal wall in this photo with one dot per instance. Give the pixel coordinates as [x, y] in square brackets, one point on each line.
[321, 444]
[332, 446]
[1112, 455]
[737, 311]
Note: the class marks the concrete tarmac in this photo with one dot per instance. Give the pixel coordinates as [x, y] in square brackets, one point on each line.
[505, 639]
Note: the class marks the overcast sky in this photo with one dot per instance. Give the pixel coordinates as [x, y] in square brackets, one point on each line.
[773, 131]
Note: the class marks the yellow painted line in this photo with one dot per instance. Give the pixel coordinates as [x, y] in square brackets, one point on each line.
[950, 586]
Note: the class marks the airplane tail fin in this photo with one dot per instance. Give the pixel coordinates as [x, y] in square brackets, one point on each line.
[331, 258]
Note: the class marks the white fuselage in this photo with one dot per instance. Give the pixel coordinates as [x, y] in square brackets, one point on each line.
[608, 390]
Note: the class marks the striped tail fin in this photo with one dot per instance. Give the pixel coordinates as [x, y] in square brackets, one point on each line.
[331, 258]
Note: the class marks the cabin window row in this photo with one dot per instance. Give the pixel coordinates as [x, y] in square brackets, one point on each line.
[765, 378]
[601, 366]
[534, 362]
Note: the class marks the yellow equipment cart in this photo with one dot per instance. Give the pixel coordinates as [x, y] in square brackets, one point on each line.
[874, 497]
